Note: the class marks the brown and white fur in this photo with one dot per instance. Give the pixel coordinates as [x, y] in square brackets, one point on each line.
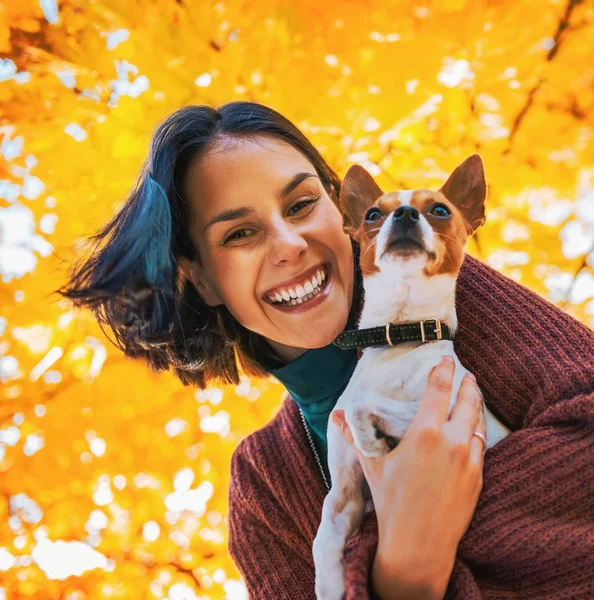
[410, 258]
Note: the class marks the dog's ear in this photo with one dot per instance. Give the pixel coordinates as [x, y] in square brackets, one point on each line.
[357, 193]
[467, 189]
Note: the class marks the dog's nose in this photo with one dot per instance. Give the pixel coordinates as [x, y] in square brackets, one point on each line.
[408, 215]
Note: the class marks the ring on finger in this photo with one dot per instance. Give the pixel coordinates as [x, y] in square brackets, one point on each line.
[482, 437]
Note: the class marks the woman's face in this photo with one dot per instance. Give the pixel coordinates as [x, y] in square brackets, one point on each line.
[270, 243]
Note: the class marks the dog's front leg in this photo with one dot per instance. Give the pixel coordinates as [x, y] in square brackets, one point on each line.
[341, 516]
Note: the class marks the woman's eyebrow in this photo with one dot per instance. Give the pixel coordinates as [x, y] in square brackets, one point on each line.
[295, 181]
[231, 214]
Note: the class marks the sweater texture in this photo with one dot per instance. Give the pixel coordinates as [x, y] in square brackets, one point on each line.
[532, 534]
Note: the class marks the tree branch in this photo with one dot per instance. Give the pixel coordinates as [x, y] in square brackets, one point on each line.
[582, 266]
[558, 39]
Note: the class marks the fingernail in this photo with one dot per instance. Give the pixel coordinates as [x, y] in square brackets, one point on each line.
[336, 418]
[448, 359]
[471, 376]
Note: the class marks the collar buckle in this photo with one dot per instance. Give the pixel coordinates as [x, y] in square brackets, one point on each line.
[436, 330]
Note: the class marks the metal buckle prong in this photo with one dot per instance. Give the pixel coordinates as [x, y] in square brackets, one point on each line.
[438, 330]
[388, 334]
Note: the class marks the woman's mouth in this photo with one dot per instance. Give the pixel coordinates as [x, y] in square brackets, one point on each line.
[311, 289]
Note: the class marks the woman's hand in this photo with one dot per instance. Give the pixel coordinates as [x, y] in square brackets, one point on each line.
[425, 490]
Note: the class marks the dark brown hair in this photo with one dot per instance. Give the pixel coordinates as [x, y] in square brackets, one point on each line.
[131, 279]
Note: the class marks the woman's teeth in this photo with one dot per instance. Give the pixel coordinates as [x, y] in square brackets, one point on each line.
[300, 293]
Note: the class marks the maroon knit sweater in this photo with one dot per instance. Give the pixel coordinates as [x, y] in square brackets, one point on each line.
[532, 534]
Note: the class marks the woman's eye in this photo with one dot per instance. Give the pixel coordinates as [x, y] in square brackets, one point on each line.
[301, 205]
[441, 211]
[237, 235]
[373, 214]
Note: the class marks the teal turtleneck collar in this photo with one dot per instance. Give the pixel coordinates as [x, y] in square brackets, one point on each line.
[315, 380]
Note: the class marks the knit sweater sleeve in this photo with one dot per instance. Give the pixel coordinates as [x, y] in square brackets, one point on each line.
[274, 566]
[533, 528]
[273, 558]
[528, 355]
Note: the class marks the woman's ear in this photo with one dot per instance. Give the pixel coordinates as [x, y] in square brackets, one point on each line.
[194, 273]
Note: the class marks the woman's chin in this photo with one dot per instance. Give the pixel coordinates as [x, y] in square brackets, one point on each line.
[297, 344]
[320, 336]
[312, 329]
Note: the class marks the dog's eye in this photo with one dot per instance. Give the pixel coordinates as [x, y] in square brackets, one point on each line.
[373, 214]
[441, 211]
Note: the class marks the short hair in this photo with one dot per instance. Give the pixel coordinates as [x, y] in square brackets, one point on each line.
[131, 279]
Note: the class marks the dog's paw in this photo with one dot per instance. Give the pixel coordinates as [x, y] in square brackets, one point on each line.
[330, 586]
[375, 448]
[378, 430]
[329, 565]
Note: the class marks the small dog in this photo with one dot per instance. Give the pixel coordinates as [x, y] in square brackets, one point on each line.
[412, 247]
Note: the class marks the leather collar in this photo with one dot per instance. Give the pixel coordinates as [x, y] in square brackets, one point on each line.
[430, 330]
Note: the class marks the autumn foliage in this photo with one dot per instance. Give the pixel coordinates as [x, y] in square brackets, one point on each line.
[96, 449]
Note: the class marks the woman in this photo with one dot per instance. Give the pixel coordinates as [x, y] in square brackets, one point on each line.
[235, 205]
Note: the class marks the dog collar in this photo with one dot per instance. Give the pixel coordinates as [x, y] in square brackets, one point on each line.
[392, 334]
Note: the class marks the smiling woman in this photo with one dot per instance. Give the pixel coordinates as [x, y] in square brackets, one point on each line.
[231, 206]
[231, 254]
[270, 228]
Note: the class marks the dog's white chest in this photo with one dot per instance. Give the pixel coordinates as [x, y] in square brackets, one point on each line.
[394, 373]
[384, 392]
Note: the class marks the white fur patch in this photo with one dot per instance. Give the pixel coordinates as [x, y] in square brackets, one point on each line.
[402, 292]
[405, 197]
[428, 233]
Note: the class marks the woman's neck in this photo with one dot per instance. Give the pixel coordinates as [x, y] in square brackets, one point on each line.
[286, 354]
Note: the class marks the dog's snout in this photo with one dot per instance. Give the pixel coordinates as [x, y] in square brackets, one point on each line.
[406, 215]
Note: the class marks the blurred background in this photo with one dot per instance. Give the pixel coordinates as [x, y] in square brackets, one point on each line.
[113, 480]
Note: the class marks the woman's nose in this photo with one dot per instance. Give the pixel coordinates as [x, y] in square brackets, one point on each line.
[287, 245]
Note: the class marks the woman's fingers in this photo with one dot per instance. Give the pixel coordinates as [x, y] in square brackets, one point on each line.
[477, 444]
[465, 414]
[433, 407]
